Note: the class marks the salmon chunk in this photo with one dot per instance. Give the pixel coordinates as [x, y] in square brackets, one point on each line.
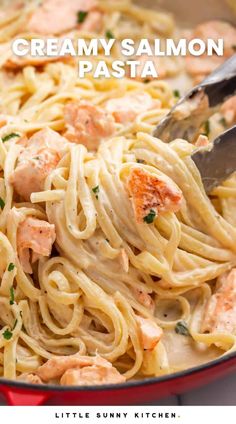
[217, 29]
[202, 141]
[59, 16]
[151, 333]
[92, 375]
[220, 313]
[40, 155]
[76, 369]
[36, 235]
[126, 109]
[93, 22]
[145, 299]
[57, 366]
[87, 124]
[152, 195]
[200, 67]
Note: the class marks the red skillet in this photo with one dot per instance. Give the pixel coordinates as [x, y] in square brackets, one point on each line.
[131, 393]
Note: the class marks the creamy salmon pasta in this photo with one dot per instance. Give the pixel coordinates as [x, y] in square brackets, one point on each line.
[115, 264]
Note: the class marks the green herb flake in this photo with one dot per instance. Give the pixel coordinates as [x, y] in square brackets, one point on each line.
[12, 296]
[223, 122]
[109, 35]
[2, 203]
[182, 328]
[11, 266]
[15, 324]
[176, 93]
[150, 217]
[81, 15]
[96, 190]
[9, 137]
[140, 161]
[7, 334]
[207, 128]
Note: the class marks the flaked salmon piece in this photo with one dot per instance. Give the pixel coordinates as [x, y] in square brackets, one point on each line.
[202, 141]
[87, 124]
[151, 333]
[216, 29]
[92, 375]
[58, 16]
[93, 22]
[145, 299]
[40, 155]
[220, 313]
[126, 109]
[36, 235]
[229, 110]
[56, 367]
[152, 195]
[200, 67]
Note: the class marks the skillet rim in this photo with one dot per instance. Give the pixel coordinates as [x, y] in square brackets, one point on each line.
[130, 384]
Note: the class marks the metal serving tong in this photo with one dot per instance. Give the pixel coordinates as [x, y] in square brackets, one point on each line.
[218, 160]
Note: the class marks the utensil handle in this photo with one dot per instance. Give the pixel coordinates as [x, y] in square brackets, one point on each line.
[33, 398]
[221, 84]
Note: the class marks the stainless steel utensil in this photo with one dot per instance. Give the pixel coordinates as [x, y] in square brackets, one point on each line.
[193, 109]
[218, 160]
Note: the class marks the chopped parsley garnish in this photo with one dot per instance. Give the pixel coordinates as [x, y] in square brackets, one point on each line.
[12, 296]
[81, 15]
[207, 128]
[140, 161]
[96, 191]
[9, 136]
[150, 217]
[176, 93]
[7, 334]
[11, 266]
[2, 203]
[15, 324]
[182, 328]
[109, 35]
[223, 122]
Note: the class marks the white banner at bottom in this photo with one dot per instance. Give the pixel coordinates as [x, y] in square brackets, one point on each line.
[118, 414]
